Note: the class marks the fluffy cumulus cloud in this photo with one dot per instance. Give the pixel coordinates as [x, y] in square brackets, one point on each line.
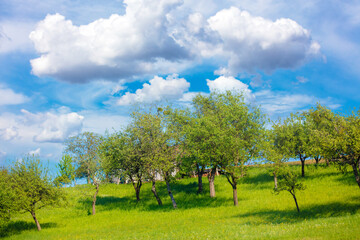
[9, 133]
[52, 126]
[120, 46]
[254, 43]
[9, 97]
[150, 39]
[224, 83]
[55, 126]
[157, 89]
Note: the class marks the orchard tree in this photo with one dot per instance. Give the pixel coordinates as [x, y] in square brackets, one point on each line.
[66, 170]
[32, 186]
[320, 122]
[154, 131]
[83, 148]
[197, 144]
[203, 138]
[276, 148]
[122, 154]
[289, 182]
[7, 196]
[301, 140]
[341, 143]
[240, 134]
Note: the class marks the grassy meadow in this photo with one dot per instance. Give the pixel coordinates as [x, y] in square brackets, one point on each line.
[330, 209]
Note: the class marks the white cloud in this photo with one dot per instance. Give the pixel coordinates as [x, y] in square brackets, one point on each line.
[278, 103]
[35, 152]
[120, 46]
[56, 127]
[9, 133]
[52, 126]
[158, 88]
[159, 37]
[223, 84]
[9, 97]
[254, 43]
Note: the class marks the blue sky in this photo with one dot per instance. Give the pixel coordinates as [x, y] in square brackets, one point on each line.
[73, 66]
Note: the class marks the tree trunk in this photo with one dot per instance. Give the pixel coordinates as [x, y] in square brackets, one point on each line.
[211, 178]
[200, 172]
[94, 199]
[317, 158]
[302, 159]
[275, 181]
[236, 202]
[88, 180]
[356, 173]
[137, 185]
[36, 221]
[297, 206]
[169, 191]
[153, 189]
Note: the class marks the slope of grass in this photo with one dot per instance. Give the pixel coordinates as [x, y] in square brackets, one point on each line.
[330, 209]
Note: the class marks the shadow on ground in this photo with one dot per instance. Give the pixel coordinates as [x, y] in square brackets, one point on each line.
[13, 228]
[316, 211]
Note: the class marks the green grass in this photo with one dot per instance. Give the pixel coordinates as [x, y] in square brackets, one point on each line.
[330, 209]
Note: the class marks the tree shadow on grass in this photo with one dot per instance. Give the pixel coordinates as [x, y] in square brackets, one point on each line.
[148, 202]
[315, 211]
[16, 227]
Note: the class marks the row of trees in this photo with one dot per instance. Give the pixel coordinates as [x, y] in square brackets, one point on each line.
[219, 133]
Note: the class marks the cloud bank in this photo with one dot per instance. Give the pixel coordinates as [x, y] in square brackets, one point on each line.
[148, 39]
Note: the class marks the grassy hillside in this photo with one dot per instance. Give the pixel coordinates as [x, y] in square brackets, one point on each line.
[330, 209]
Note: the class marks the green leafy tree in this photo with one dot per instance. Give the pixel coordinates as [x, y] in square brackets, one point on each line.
[277, 147]
[341, 142]
[158, 142]
[7, 197]
[240, 134]
[122, 154]
[83, 148]
[301, 140]
[32, 186]
[320, 122]
[203, 139]
[66, 170]
[289, 182]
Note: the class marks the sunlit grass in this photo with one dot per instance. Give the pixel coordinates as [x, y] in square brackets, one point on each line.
[330, 209]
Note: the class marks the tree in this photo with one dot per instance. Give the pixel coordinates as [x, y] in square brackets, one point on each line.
[32, 187]
[277, 148]
[121, 153]
[301, 143]
[7, 196]
[203, 138]
[341, 142]
[157, 139]
[66, 170]
[319, 121]
[289, 182]
[240, 132]
[83, 148]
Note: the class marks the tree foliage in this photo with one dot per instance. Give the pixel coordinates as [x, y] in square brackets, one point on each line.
[32, 186]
